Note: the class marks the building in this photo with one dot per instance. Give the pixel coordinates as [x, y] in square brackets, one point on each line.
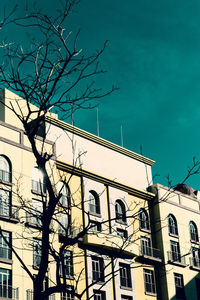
[104, 189]
[175, 231]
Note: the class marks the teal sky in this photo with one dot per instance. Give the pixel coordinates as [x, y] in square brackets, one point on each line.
[153, 56]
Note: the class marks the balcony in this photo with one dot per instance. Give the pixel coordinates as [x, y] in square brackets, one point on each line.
[176, 258]
[111, 243]
[195, 263]
[8, 292]
[29, 295]
[149, 254]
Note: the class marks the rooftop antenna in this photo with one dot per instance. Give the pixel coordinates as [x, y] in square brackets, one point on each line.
[122, 141]
[97, 122]
[72, 113]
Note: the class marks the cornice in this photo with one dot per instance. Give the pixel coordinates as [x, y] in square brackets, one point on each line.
[98, 140]
[112, 183]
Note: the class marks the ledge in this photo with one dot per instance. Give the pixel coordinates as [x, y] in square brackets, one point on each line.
[177, 263]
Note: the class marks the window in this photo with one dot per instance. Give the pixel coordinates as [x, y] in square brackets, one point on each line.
[35, 214]
[120, 211]
[94, 202]
[97, 269]
[125, 275]
[146, 246]
[143, 219]
[64, 224]
[67, 264]
[99, 295]
[38, 181]
[172, 224]
[5, 203]
[193, 232]
[5, 251]
[63, 189]
[196, 257]
[5, 283]
[5, 169]
[37, 253]
[69, 295]
[197, 281]
[95, 226]
[149, 282]
[175, 251]
[179, 286]
[124, 297]
[122, 233]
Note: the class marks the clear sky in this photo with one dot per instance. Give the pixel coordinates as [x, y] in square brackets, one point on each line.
[153, 56]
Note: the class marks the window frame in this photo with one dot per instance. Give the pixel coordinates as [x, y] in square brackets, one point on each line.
[120, 211]
[194, 238]
[97, 269]
[5, 250]
[125, 276]
[149, 281]
[67, 264]
[179, 285]
[5, 173]
[143, 220]
[5, 207]
[94, 203]
[37, 254]
[172, 225]
[99, 295]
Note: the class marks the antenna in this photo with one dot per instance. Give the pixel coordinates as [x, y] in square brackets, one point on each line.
[122, 141]
[97, 122]
[72, 113]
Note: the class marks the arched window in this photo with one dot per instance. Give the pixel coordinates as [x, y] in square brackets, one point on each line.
[143, 219]
[5, 169]
[120, 211]
[37, 181]
[193, 232]
[172, 225]
[63, 189]
[94, 202]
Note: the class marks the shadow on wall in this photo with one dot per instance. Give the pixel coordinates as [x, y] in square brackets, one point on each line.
[191, 291]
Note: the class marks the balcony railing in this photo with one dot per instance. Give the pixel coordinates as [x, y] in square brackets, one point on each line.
[5, 176]
[29, 295]
[8, 292]
[5, 253]
[194, 262]
[150, 252]
[176, 257]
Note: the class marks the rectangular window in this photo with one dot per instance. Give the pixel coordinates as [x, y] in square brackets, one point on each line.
[5, 283]
[95, 226]
[35, 214]
[179, 286]
[69, 294]
[149, 282]
[122, 233]
[64, 224]
[67, 264]
[97, 269]
[125, 275]
[99, 295]
[124, 297]
[196, 257]
[146, 246]
[175, 251]
[5, 203]
[37, 252]
[5, 251]
[197, 280]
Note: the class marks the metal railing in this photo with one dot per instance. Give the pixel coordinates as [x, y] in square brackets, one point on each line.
[5, 252]
[29, 295]
[5, 176]
[8, 292]
[175, 257]
[149, 251]
[194, 262]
